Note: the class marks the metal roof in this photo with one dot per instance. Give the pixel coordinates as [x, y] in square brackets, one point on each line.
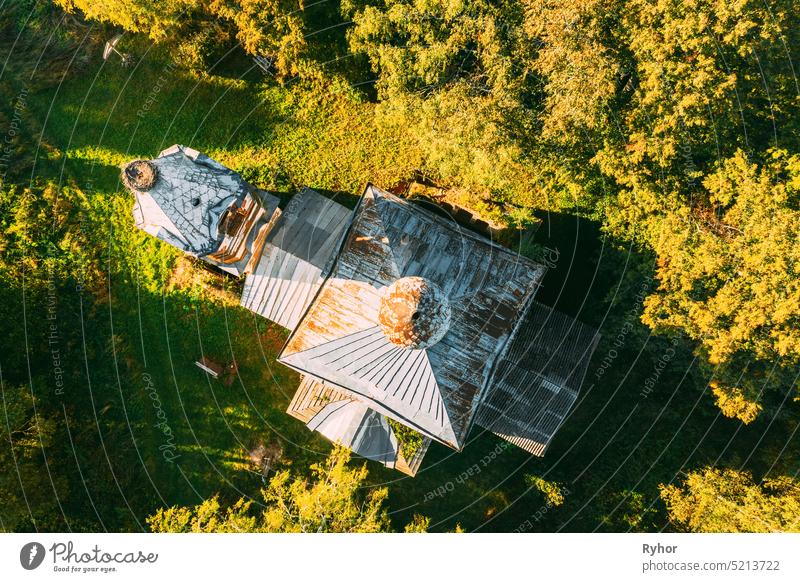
[538, 379]
[437, 389]
[191, 197]
[396, 311]
[188, 200]
[295, 258]
[359, 428]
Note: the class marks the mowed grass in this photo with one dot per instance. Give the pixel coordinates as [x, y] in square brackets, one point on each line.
[277, 137]
[215, 425]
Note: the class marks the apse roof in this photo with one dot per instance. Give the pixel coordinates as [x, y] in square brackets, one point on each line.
[359, 428]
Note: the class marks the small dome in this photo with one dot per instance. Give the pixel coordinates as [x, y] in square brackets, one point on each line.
[414, 313]
[140, 175]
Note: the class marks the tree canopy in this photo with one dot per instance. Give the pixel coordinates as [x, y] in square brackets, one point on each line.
[715, 500]
[331, 500]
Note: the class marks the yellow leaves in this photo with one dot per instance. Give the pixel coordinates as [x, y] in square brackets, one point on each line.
[692, 65]
[733, 402]
[636, 148]
[734, 173]
[329, 502]
[786, 344]
[152, 17]
[418, 46]
[207, 517]
[731, 278]
[272, 28]
[170, 520]
[553, 492]
[418, 524]
[580, 72]
[726, 500]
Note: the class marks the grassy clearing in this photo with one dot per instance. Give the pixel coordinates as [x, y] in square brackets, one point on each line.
[155, 318]
[273, 135]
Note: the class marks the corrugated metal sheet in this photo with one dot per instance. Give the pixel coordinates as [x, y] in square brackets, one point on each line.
[394, 378]
[538, 379]
[296, 256]
[487, 287]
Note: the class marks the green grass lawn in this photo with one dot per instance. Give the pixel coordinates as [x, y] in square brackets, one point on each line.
[147, 382]
[275, 137]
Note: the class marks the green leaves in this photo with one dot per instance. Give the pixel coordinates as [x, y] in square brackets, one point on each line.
[730, 273]
[427, 46]
[332, 500]
[25, 493]
[726, 500]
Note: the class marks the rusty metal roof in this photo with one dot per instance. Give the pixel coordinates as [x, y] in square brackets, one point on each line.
[538, 379]
[296, 257]
[435, 389]
[397, 312]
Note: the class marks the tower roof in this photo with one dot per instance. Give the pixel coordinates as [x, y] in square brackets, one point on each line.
[198, 205]
[413, 316]
[182, 196]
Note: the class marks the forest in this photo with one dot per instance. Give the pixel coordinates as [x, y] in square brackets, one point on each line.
[647, 150]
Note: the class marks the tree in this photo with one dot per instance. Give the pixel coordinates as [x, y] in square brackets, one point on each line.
[420, 524]
[200, 30]
[272, 28]
[696, 72]
[580, 58]
[735, 402]
[428, 46]
[206, 517]
[26, 494]
[697, 68]
[726, 500]
[331, 501]
[158, 20]
[729, 273]
[451, 75]
[553, 492]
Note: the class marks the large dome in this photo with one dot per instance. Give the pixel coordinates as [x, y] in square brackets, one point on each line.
[414, 313]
